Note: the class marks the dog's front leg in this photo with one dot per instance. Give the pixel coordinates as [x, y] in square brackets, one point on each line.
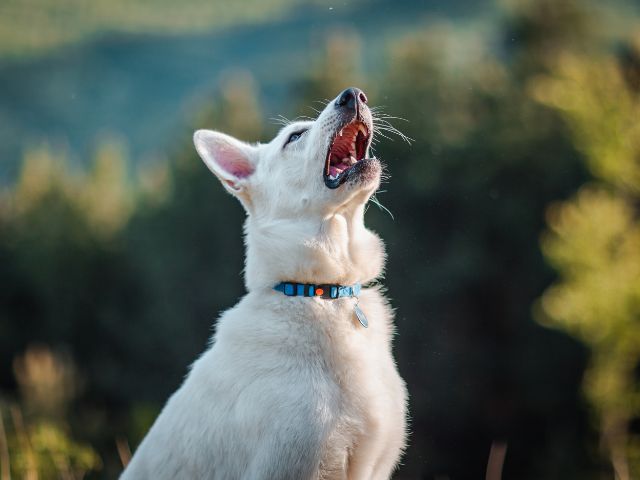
[294, 458]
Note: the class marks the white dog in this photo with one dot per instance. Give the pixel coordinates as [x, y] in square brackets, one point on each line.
[299, 382]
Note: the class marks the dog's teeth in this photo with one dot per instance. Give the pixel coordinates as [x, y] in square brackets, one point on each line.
[353, 160]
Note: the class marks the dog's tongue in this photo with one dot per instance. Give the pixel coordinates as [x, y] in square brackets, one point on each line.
[337, 165]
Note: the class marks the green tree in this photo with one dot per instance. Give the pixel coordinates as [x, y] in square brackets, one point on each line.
[337, 67]
[593, 241]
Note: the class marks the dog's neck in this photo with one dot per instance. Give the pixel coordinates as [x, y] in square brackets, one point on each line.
[334, 248]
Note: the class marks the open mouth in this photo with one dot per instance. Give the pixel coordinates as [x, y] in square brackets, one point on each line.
[347, 149]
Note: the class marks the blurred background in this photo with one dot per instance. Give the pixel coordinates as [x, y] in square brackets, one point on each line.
[513, 237]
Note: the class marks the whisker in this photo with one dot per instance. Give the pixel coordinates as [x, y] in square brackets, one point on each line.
[280, 120]
[376, 202]
[393, 117]
[384, 121]
[381, 123]
[391, 129]
[383, 135]
[304, 118]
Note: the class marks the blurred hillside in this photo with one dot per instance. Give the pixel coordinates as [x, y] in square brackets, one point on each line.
[140, 75]
[513, 245]
[29, 28]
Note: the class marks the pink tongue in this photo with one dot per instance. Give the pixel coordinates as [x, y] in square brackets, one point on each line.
[333, 171]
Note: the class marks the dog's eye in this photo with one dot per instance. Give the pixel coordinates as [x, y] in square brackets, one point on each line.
[294, 136]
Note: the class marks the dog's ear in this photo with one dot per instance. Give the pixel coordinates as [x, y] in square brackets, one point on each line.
[231, 160]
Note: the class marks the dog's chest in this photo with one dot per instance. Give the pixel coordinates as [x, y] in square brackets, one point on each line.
[317, 351]
[371, 394]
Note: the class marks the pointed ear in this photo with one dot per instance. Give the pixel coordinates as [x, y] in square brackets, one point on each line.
[231, 160]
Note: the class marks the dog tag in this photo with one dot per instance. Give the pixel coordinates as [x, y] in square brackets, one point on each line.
[362, 318]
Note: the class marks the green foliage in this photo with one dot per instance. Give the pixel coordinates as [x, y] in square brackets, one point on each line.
[602, 112]
[339, 65]
[594, 242]
[46, 450]
[39, 444]
[542, 30]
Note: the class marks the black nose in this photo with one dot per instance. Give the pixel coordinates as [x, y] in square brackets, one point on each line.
[350, 98]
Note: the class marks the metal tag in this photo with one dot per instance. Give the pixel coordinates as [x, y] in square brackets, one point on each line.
[362, 318]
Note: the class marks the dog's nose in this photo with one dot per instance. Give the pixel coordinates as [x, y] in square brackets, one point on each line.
[351, 98]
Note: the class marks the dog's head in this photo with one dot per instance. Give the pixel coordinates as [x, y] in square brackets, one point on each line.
[305, 193]
[310, 167]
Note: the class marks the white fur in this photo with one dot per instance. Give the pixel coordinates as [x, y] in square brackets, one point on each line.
[291, 387]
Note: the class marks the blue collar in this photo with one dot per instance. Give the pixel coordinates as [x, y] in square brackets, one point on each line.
[326, 291]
